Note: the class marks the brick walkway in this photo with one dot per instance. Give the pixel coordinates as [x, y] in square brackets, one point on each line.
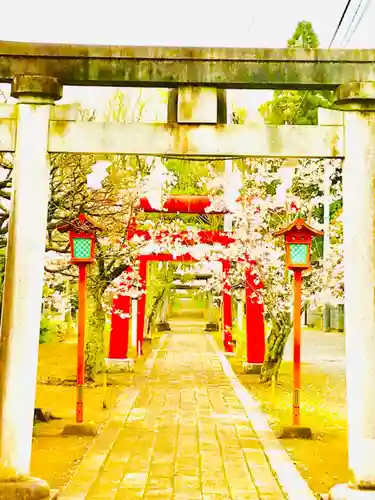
[187, 436]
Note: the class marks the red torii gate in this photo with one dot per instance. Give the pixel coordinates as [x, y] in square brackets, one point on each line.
[120, 325]
[254, 311]
[183, 204]
[187, 257]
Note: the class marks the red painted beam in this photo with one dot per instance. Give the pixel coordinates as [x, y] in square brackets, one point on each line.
[167, 257]
[183, 204]
[208, 237]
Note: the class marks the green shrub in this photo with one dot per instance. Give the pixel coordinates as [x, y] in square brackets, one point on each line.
[44, 333]
[51, 330]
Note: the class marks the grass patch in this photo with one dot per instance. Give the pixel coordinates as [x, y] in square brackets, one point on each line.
[52, 329]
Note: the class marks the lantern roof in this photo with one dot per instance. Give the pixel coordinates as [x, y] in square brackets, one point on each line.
[81, 224]
[298, 224]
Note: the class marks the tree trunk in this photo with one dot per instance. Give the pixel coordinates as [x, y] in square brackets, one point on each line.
[163, 313]
[94, 334]
[276, 341]
[153, 313]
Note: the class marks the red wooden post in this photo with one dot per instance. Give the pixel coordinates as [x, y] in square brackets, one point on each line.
[81, 341]
[297, 346]
[141, 305]
[255, 330]
[119, 340]
[227, 310]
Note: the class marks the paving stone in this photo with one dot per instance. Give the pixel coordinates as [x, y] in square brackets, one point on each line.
[159, 494]
[215, 496]
[215, 485]
[135, 481]
[129, 494]
[186, 470]
[101, 496]
[187, 496]
[161, 470]
[272, 496]
[160, 483]
[246, 495]
[140, 467]
[163, 458]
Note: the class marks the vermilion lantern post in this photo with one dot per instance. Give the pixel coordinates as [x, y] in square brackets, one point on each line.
[298, 240]
[82, 236]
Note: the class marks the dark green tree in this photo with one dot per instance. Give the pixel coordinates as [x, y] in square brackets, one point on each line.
[294, 106]
[297, 107]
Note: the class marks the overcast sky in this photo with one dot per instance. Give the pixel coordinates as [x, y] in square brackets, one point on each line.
[252, 23]
[235, 23]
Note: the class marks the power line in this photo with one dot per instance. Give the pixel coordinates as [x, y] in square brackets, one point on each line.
[352, 21]
[329, 46]
[340, 22]
[359, 21]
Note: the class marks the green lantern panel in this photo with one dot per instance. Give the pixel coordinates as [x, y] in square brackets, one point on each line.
[299, 253]
[82, 248]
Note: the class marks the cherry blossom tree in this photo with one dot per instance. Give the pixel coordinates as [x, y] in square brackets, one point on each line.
[265, 204]
[259, 213]
[107, 189]
[255, 196]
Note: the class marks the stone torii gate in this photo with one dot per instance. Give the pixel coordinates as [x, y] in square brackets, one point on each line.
[198, 78]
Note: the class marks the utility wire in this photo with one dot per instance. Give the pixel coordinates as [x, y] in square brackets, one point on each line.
[340, 22]
[329, 46]
[351, 22]
[359, 20]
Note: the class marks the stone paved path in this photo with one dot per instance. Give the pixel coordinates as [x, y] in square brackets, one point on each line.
[187, 435]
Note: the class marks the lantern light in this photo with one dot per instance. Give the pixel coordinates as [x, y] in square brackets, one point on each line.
[298, 240]
[82, 237]
[82, 247]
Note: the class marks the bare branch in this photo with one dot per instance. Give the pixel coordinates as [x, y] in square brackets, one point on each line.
[4, 194]
[53, 248]
[60, 271]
